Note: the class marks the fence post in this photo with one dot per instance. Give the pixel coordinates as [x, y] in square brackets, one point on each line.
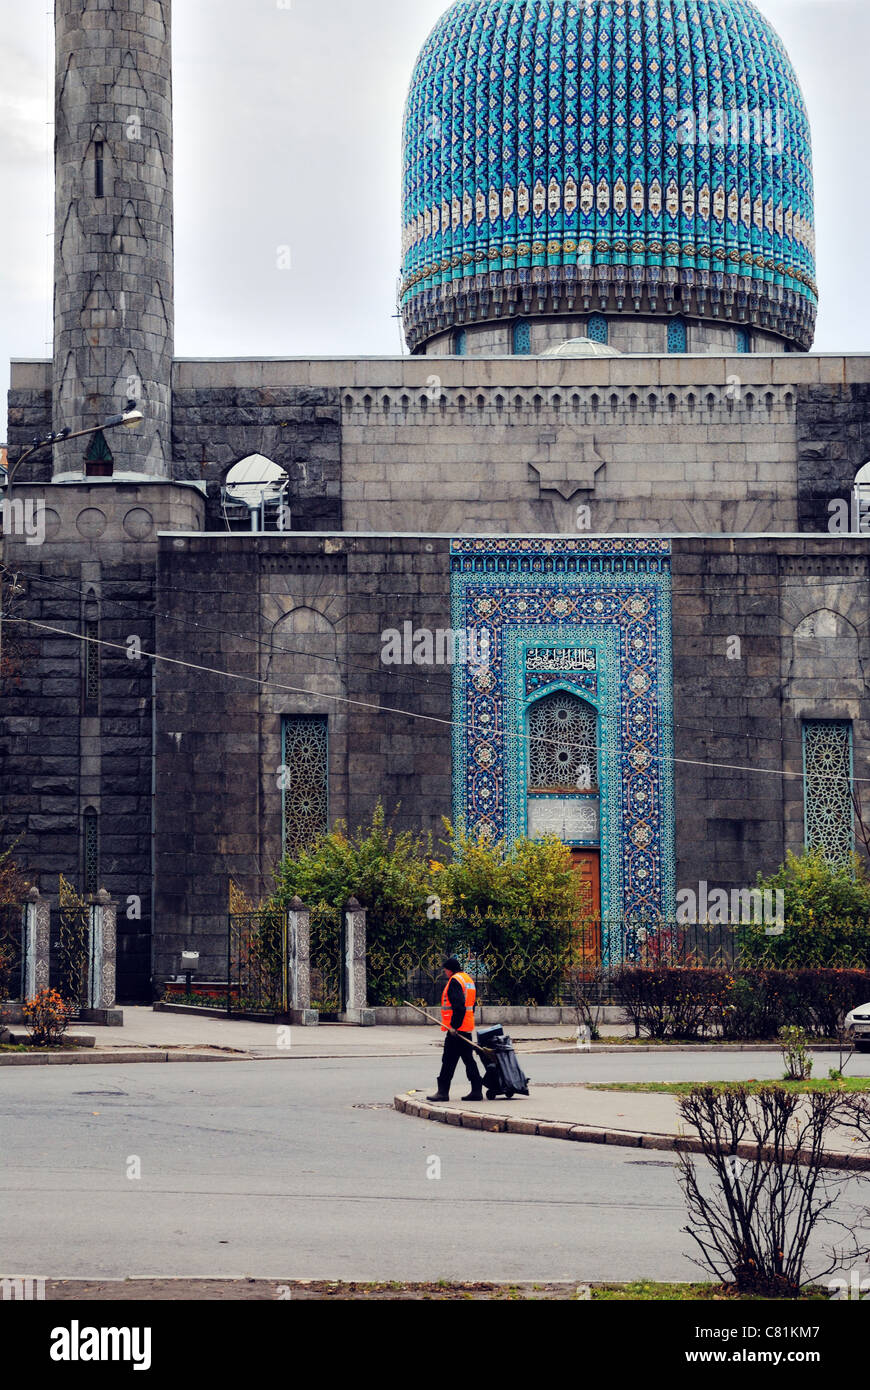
[353, 964]
[36, 944]
[102, 939]
[299, 933]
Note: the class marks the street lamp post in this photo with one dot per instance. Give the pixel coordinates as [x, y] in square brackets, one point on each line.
[130, 418]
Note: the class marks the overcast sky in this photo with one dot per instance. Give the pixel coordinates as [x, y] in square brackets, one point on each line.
[288, 133]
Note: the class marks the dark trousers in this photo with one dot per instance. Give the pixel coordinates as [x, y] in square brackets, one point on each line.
[456, 1046]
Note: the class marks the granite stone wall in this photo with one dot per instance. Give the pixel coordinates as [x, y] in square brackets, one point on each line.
[298, 622]
[296, 426]
[833, 431]
[113, 272]
[67, 747]
[29, 417]
[767, 633]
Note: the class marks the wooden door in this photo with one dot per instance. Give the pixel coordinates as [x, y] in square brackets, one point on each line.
[587, 866]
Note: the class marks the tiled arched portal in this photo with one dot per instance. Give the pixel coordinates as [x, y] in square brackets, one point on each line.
[591, 617]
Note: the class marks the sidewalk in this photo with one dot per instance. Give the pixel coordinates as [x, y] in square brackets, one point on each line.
[633, 1119]
[181, 1037]
[150, 1036]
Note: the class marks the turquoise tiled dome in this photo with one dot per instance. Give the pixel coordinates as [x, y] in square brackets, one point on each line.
[622, 155]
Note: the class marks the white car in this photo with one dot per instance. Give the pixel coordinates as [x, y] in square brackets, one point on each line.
[859, 1022]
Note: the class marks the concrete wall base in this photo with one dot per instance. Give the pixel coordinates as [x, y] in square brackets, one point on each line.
[386, 1016]
[107, 1018]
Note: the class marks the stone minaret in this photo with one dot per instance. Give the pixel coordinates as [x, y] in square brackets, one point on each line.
[113, 295]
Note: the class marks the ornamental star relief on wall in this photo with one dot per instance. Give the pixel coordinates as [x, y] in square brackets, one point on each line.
[567, 462]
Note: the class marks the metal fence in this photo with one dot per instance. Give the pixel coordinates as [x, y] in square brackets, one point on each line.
[70, 948]
[11, 952]
[325, 964]
[583, 967]
[257, 963]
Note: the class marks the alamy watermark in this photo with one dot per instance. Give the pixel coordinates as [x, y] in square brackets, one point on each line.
[730, 127]
[23, 1289]
[424, 646]
[740, 907]
[23, 516]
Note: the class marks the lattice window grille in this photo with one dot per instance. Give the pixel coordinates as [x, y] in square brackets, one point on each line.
[744, 340]
[522, 338]
[92, 662]
[828, 803]
[460, 343]
[563, 744]
[91, 852]
[306, 782]
[597, 329]
[678, 337]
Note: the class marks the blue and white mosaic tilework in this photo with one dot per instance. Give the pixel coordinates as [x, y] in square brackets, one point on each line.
[608, 595]
[634, 144]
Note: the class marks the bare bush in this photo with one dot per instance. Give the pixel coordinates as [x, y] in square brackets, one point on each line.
[771, 1191]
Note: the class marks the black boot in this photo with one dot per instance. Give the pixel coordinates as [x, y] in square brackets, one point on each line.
[439, 1095]
[474, 1095]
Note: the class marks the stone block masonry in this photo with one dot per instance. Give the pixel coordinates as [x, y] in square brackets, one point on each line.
[76, 740]
[738, 717]
[306, 612]
[113, 330]
[518, 445]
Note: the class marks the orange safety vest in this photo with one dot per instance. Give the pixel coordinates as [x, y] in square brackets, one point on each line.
[447, 1008]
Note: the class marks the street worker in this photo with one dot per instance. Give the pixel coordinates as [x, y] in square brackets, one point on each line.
[457, 1013]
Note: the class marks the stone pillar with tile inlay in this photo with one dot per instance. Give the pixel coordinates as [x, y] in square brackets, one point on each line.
[299, 939]
[102, 946]
[113, 299]
[353, 965]
[37, 933]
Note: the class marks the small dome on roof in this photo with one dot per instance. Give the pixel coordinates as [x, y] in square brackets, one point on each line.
[581, 347]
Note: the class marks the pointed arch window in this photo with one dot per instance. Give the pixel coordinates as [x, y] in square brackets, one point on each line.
[99, 169]
[563, 744]
[597, 328]
[744, 340]
[460, 343]
[678, 336]
[522, 338]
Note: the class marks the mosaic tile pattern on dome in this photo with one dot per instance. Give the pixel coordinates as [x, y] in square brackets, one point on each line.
[613, 146]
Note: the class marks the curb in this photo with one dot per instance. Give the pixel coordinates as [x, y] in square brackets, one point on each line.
[586, 1134]
[94, 1058]
[629, 1049]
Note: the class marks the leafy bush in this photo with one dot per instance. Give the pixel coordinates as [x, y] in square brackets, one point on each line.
[13, 890]
[13, 884]
[47, 1017]
[6, 964]
[826, 916]
[515, 909]
[795, 1053]
[389, 874]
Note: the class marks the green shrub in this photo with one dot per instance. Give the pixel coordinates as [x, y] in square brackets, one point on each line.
[514, 909]
[389, 874]
[826, 915]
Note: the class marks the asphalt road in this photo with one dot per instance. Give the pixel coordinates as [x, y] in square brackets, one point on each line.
[301, 1169]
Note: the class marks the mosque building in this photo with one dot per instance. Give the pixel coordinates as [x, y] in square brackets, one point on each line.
[602, 481]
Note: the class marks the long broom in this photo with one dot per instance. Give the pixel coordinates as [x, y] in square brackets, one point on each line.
[486, 1052]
